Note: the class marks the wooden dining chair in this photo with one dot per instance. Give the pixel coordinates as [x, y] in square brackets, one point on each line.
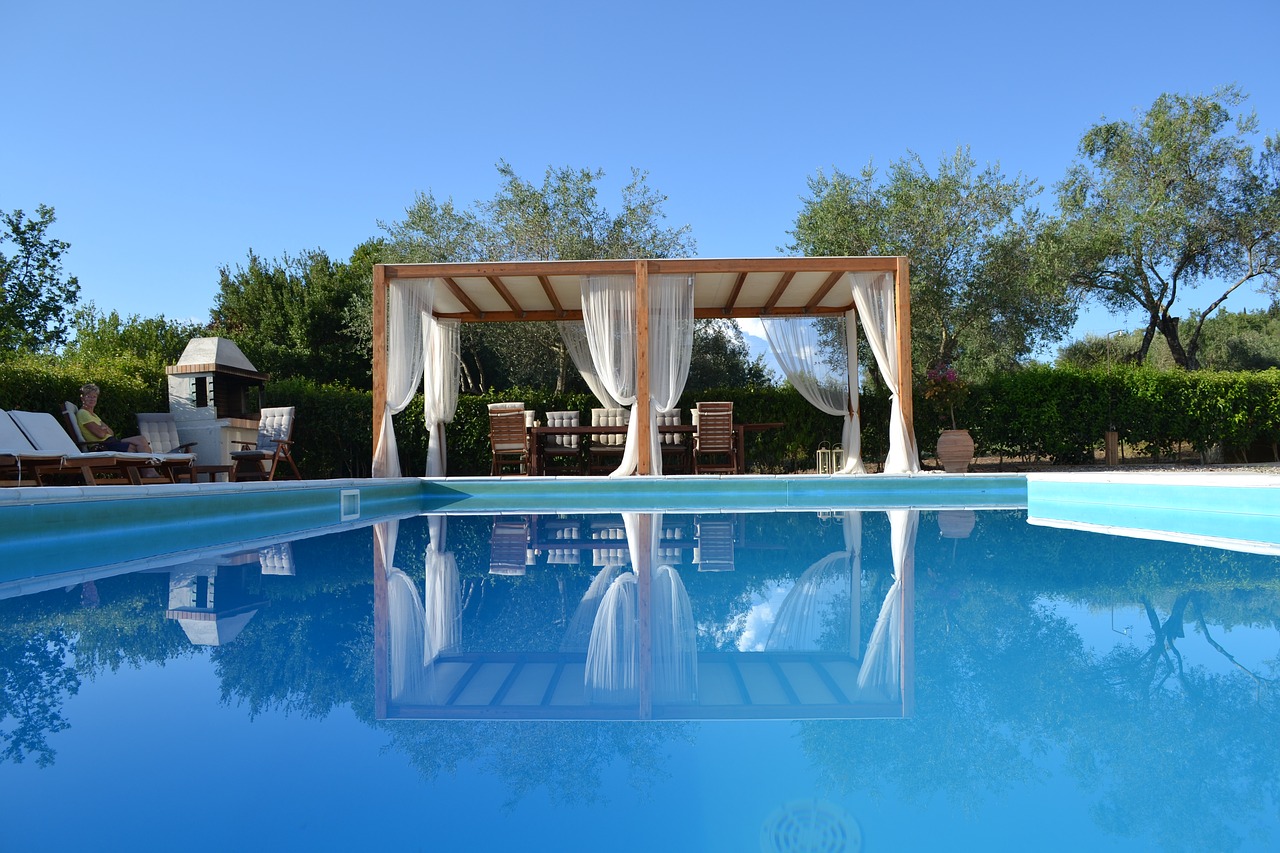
[509, 552]
[715, 543]
[509, 440]
[714, 449]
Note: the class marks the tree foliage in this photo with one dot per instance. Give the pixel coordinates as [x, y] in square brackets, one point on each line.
[980, 294]
[1171, 201]
[560, 219]
[36, 295]
[721, 359]
[294, 316]
[1229, 341]
[1244, 340]
[150, 343]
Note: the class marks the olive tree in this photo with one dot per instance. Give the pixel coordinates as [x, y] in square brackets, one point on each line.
[980, 294]
[560, 219]
[1170, 202]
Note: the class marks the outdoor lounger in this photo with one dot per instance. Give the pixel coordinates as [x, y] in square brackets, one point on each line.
[19, 458]
[48, 437]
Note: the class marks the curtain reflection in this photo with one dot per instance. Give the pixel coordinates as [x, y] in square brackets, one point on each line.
[813, 604]
[881, 668]
[422, 629]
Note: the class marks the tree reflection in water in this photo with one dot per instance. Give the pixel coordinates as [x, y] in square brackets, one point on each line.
[1007, 689]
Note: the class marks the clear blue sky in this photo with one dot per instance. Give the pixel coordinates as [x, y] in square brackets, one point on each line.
[172, 137]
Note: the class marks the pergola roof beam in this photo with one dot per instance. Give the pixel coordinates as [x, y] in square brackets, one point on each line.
[511, 301]
[551, 296]
[777, 292]
[821, 293]
[461, 297]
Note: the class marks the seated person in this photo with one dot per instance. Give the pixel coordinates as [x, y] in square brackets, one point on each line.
[97, 432]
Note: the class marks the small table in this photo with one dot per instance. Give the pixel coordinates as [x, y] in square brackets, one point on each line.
[213, 471]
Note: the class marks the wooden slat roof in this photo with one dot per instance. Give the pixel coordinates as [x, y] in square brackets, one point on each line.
[551, 290]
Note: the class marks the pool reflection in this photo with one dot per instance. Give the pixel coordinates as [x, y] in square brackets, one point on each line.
[630, 650]
[1106, 692]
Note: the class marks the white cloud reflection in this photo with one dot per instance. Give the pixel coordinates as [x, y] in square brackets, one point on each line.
[761, 616]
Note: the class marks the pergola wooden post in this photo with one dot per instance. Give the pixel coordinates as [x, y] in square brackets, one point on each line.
[379, 349]
[643, 396]
[513, 291]
[902, 317]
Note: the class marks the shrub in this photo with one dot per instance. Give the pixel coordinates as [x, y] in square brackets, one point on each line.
[1056, 413]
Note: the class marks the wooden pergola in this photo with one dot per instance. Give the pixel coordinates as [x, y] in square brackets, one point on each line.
[516, 291]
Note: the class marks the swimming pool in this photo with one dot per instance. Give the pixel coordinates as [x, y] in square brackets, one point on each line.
[924, 669]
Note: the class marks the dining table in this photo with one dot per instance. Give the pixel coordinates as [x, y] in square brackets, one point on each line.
[539, 434]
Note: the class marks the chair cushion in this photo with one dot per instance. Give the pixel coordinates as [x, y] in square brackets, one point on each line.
[44, 433]
[160, 429]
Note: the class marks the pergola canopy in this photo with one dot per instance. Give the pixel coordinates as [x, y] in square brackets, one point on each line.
[551, 290]
[514, 291]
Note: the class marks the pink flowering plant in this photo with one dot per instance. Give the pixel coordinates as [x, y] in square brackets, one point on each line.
[944, 387]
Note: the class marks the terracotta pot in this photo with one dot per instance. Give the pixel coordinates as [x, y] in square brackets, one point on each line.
[955, 450]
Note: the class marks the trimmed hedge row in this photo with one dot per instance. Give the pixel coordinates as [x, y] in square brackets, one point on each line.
[1062, 413]
[36, 386]
[1059, 414]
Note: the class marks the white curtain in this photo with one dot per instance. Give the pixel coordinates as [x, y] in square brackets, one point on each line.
[442, 365]
[609, 318]
[612, 673]
[421, 628]
[795, 344]
[613, 652]
[574, 335]
[873, 295]
[881, 669]
[407, 302]
[442, 602]
[578, 635]
[405, 617]
[670, 351]
[810, 606]
[675, 648]
[409, 679]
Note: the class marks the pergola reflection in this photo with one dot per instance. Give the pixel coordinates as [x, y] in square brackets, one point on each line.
[630, 650]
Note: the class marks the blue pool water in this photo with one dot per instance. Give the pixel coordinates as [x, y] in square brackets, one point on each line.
[830, 680]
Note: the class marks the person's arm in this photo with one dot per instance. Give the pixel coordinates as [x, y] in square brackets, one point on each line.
[94, 427]
[97, 430]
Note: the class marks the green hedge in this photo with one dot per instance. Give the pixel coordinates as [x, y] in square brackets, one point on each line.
[1062, 413]
[37, 386]
[1059, 414]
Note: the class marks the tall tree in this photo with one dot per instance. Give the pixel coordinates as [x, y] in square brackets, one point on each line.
[721, 359]
[1172, 201]
[561, 219]
[293, 316]
[36, 296]
[979, 294]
